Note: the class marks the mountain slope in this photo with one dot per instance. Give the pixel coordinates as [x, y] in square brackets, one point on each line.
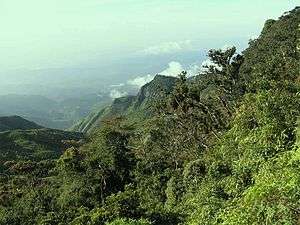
[51, 113]
[35, 144]
[15, 123]
[274, 56]
[137, 107]
[22, 140]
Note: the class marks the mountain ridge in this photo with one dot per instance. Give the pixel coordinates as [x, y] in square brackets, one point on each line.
[16, 123]
[130, 105]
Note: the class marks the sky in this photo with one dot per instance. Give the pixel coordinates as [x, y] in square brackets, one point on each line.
[40, 35]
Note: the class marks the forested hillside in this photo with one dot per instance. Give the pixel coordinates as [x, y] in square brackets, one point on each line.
[15, 123]
[221, 148]
[138, 108]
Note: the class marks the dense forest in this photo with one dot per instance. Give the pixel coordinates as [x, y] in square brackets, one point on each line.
[219, 148]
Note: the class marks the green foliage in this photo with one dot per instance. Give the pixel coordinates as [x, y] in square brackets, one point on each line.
[35, 145]
[220, 148]
[129, 222]
[273, 58]
[274, 197]
[16, 122]
[136, 108]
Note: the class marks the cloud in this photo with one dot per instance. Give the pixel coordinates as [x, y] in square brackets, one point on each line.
[117, 94]
[174, 69]
[193, 70]
[168, 47]
[207, 63]
[141, 80]
[254, 37]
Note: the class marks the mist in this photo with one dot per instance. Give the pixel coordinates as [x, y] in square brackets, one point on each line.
[50, 46]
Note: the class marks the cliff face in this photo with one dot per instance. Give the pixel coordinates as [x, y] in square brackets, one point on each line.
[158, 87]
[140, 104]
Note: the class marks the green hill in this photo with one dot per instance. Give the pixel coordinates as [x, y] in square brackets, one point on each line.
[35, 144]
[23, 140]
[15, 123]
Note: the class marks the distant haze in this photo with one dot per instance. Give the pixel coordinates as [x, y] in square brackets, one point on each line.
[69, 47]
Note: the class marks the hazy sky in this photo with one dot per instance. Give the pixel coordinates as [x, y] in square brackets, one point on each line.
[58, 33]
